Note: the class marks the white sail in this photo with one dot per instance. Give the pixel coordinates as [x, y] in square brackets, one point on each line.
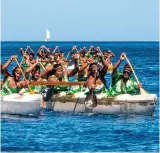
[47, 35]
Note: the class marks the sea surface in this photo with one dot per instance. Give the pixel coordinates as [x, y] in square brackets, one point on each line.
[60, 132]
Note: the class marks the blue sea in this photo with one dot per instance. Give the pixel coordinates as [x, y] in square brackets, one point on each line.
[61, 132]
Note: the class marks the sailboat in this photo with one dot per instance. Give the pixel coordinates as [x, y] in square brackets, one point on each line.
[47, 35]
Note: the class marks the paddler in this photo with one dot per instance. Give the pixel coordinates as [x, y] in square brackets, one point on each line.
[12, 83]
[82, 74]
[48, 58]
[58, 74]
[122, 82]
[107, 66]
[31, 58]
[62, 60]
[35, 75]
[94, 81]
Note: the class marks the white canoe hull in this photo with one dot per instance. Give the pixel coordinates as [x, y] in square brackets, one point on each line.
[123, 104]
[28, 105]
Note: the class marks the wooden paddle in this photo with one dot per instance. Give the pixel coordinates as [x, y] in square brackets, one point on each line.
[59, 50]
[69, 53]
[36, 83]
[24, 55]
[67, 58]
[100, 50]
[55, 49]
[41, 64]
[76, 50]
[30, 49]
[142, 91]
[89, 49]
[1, 83]
[30, 90]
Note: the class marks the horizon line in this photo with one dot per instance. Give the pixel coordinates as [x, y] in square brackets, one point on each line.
[80, 41]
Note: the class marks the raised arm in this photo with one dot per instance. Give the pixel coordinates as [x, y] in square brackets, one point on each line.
[76, 68]
[46, 48]
[30, 49]
[22, 51]
[55, 50]
[83, 67]
[91, 47]
[104, 62]
[39, 50]
[122, 57]
[4, 67]
[28, 70]
[46, 71]
[75, 48]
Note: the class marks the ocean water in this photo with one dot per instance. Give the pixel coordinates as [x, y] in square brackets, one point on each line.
[60, 132]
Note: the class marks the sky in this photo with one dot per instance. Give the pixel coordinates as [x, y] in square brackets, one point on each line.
[80, 20]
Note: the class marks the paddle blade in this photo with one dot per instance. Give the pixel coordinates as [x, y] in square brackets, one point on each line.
[143, 92]
[32, 92]
[43, 104]
[91, 100]
[1, 83]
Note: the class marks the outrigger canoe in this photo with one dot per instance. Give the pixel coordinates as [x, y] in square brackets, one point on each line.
[26, 104]
[122, 104]
[29, 104]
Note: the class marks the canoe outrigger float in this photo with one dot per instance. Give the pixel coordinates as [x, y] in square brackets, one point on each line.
[122, 104]
[27, 104]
